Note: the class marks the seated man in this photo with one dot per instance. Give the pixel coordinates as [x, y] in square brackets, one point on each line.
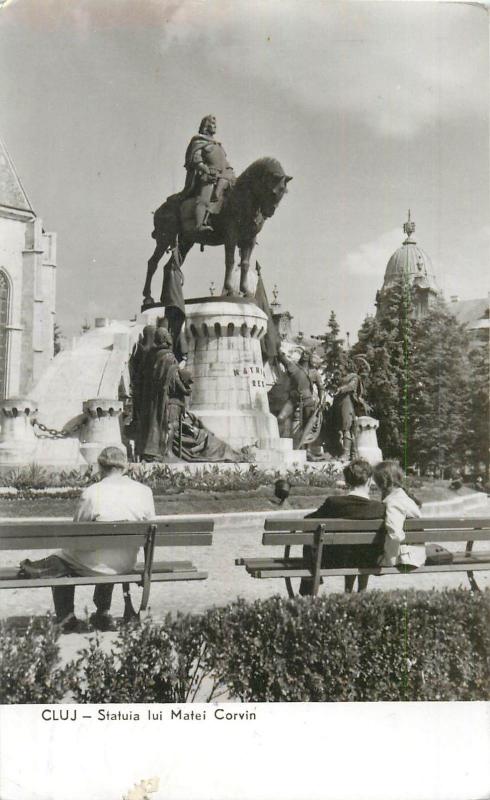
[115, 498]
[356, 504]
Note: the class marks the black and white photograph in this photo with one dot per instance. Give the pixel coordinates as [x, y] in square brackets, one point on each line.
[244, 400]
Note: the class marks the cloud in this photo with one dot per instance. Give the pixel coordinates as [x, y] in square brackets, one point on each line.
[370, 259]
[396, 67]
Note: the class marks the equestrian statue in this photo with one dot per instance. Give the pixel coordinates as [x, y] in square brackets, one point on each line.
[214, 208]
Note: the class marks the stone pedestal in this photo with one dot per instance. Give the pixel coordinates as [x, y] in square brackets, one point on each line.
[101, 427]
[229, 392]
[367, 441]
[17, 439]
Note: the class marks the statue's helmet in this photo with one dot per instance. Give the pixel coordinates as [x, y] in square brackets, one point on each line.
[163, 337]
[361, 365]
[148, 334]
[186, 375]
[205, 122]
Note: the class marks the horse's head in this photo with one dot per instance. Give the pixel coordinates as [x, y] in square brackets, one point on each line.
[267, 181]
[276, 188]
[272, 187]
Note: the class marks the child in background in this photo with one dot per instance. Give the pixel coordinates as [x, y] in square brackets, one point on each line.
[399, 505]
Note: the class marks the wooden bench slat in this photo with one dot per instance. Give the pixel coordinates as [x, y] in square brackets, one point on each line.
[30, 530]
[368, 537]
[272, 572]
[49, 541]
[460, 558]
[158, 566]
[170, 575]
[337, 525]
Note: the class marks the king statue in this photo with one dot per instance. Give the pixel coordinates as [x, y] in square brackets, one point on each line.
[209, 173]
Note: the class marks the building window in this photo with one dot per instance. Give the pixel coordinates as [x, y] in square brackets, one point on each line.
[4, 320]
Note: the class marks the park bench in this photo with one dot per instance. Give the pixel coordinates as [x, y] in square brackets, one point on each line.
[56, 534]
[318, 533]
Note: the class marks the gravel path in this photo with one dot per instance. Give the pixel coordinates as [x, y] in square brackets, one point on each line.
[236, 535]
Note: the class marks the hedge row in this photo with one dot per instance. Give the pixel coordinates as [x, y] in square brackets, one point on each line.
[374, 646]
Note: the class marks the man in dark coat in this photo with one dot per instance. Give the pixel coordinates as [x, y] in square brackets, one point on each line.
[356, 504]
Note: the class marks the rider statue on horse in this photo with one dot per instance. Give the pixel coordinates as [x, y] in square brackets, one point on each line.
[213, 209]
[209, 175]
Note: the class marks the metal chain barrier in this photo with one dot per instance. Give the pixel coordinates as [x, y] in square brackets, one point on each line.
[52, 433]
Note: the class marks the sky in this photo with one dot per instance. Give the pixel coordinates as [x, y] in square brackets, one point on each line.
[373, 107]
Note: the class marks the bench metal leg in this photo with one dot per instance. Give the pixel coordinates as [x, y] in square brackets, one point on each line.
[146, 579]
[318, 553]
[319, 540]
[471, 578]
[289, 585]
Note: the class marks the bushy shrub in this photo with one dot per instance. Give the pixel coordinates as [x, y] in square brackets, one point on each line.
[28, 665]
[376, 646]
[368, 647]
[148, 663]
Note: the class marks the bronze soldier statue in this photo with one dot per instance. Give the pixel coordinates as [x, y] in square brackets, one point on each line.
[306, 392]
[209, 174]
[349, 402]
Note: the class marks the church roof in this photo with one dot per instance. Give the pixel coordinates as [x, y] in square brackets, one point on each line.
[411, 262]
[471, 312]
[12, 193]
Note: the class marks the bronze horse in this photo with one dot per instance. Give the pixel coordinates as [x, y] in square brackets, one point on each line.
[246, 205]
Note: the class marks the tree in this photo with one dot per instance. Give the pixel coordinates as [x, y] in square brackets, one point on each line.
[386, 343]
[478, 427]
[418, 386]
[438, 402]
[335, 357]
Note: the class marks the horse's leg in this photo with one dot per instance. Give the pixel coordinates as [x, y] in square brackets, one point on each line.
[245, 253]
[228, 288]
[160, 248]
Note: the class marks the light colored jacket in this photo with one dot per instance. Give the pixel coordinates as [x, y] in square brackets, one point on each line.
[399, 506]
[114, 499]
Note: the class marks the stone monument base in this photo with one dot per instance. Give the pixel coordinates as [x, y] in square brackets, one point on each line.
[229, 393]
[367, 441]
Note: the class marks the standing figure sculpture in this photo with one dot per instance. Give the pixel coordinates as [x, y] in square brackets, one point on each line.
[179, 390]
[136, 367]
[159, 371]
[348, 402]
[305, 395]
[209, 174]
[213, 209]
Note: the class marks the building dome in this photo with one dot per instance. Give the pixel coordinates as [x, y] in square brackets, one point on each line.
[410, 262]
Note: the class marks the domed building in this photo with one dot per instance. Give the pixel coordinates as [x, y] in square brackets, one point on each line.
[412, 264]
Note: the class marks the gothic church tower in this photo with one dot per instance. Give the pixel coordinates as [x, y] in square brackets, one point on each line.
[27, 287]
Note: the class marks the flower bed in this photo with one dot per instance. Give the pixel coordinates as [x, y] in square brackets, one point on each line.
[35, 481]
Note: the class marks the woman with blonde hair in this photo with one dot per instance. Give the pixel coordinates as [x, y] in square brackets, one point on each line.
[399, 505]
